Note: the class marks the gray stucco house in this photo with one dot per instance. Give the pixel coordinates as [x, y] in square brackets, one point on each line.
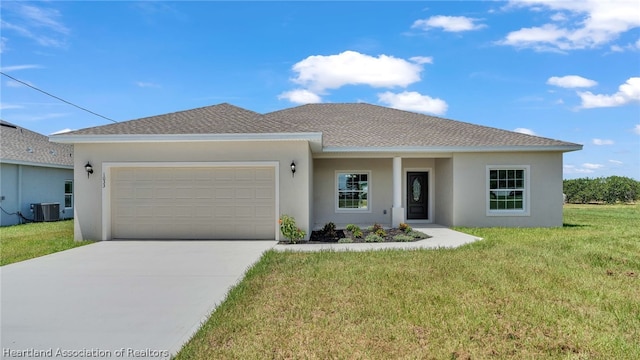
[223, 172]
[34, 171]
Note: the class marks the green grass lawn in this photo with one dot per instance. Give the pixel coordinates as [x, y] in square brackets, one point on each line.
[22, 242]
[564, 293]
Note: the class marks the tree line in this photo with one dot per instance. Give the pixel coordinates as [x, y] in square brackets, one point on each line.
[609, 190]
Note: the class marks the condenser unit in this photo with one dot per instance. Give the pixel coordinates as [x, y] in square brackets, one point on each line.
[46, 212]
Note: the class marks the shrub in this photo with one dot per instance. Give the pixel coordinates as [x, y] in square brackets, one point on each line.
[376, 227]
[381, 233]
[289, 229]
[352, 227]
[609, 190]
[403, 238]
[373, 238]
[404, 227]
[329, 229]
[345, 240]
[358, 233]
[417, 234]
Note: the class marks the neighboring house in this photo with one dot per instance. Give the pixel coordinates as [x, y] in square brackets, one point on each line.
[223, 172]
[33, 171]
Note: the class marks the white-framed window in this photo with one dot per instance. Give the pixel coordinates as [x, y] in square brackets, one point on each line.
[508, 190]
[68, 193]
[352, 191]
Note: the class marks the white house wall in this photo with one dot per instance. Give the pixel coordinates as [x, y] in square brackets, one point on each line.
[23, 185]
[380, 188]
[444, 192]
[294, 192]
[470, 189]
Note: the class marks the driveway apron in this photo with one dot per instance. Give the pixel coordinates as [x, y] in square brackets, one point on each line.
[118, 299]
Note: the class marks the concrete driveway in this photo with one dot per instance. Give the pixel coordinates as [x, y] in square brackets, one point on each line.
[118, 299]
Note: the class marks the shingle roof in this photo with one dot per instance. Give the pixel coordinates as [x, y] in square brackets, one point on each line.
[20, 145]
[352, 125]
[218, 119]
[366, 125]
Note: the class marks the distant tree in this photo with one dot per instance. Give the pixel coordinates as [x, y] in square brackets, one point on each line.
[603, 190]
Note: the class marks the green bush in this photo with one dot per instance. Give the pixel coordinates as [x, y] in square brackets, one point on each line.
[345, 240]
[373, 238]
[355, 230]
[381, 232]
[417, 234]
[289, 229]
[329, 229]
[403, 238]
[608, 190]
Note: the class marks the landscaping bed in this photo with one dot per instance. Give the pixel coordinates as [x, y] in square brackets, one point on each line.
[354, 234]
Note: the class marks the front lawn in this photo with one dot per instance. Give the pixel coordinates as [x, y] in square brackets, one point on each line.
[23, 242]
[570, 292]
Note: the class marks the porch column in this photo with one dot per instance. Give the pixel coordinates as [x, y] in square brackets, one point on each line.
[397, 211]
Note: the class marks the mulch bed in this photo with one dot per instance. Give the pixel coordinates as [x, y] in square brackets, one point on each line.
[320, 237]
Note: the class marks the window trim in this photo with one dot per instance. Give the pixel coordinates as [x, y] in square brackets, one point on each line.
[336, 191]
[68, 194]
[526, 196]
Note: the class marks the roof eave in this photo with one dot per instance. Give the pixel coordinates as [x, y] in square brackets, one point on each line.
[32, 163]
[454, 149]
[314, 138]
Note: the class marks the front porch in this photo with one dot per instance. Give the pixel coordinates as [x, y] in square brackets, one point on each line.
[384, 190]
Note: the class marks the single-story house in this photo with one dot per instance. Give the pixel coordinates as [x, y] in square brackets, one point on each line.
[223, 172]
[36, 177]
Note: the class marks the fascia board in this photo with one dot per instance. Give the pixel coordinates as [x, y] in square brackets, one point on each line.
[452, 149]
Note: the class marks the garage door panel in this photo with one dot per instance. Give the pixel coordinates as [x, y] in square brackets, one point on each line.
[193, 203]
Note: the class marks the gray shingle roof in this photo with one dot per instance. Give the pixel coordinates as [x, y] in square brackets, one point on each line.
[20, 145]
[366, 125]
[353, 125]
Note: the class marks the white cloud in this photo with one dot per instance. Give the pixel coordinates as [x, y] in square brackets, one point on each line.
[591, 166]
[616, 162]
[448, 23]
[600, 142]
[40, 24]
[572, 169]
[318, 73]
[422, 59]
[144, 84]
[628, 92]
[61, 131]
[571, 81]
[636, 129]
[300, 96]
[584, 24]
[616, 48]
[6, 106]
[413, 101]
[7, 69]
[525, 131]
[16, 84]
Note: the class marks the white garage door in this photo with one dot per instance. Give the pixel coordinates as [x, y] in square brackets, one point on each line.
[193, 203]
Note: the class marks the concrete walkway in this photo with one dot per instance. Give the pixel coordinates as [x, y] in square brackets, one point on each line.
[117, 299]
[441, 237]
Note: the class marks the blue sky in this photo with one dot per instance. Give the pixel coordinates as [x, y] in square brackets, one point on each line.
[567, 70]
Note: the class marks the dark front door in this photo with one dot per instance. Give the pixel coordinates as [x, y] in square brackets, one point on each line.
[417, 190]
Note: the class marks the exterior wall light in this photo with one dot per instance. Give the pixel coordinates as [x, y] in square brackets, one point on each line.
[293, 169]
[89, 169]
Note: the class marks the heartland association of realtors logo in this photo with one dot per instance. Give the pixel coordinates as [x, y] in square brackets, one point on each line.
[84, 353]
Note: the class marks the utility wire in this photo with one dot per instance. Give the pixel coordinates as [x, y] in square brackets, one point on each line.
[55, 97]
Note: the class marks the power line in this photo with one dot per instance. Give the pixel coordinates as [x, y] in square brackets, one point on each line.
[55, 97]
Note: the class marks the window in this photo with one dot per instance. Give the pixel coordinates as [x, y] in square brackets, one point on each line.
[68, 193]
[508, 190]
[353, 191]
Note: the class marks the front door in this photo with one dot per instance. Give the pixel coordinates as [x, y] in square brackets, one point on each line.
[417, 200]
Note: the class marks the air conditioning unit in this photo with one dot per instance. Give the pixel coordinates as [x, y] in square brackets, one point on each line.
[46, 212]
